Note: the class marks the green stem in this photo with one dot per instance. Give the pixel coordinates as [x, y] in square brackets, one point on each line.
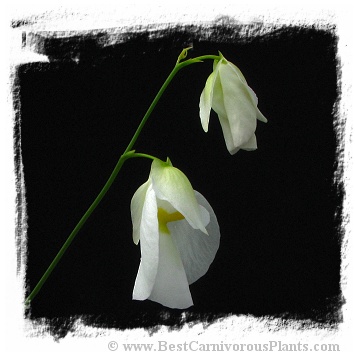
[133, 154]
[75, 231]
[128, 153]
[176, 69]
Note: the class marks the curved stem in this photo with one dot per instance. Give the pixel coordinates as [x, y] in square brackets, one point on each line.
[133, 154]
[76, 229]
[128, 153]
[175, 70]
[151, 108]
[204, 57]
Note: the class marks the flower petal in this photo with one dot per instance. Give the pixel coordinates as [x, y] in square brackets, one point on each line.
[260, 116]
[240, 109]
[206, 102]
[137, 204]
[197, 250]
[238, 72]
[171, 287]
[149, 243]
[251, 144]
[252, 94]
[207, 94]
[227, 133]
[170, 184]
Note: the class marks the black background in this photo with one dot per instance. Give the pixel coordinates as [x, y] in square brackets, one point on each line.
[278, 207]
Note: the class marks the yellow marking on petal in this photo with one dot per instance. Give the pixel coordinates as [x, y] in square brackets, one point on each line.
[164, 218]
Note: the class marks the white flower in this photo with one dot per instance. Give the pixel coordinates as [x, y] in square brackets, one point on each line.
[228, 94]
[178, 234]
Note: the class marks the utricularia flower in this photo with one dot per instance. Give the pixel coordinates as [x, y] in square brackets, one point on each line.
[228, 94]
[178, 234]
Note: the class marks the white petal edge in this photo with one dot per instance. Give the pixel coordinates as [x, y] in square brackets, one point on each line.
[251, 144]
[206, 98]
[197, 250]
[206, 102]
[238, 72]
[171, 287]
[260, 116]
[137, 204]
[149, 244]
[227, 133]
[252, 94]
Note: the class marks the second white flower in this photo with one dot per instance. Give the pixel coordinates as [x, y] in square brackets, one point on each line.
[228, 94]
